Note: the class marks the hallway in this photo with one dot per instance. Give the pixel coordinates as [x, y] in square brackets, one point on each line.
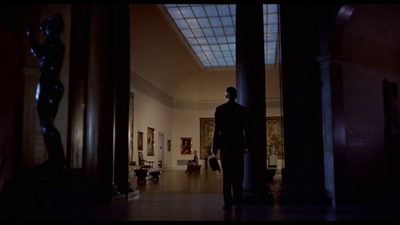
[179, 196]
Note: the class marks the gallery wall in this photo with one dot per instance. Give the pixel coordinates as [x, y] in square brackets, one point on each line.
[164, 73]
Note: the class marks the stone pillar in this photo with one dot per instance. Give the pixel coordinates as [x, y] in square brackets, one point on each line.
[250, 83]
[121, 98]
[99, 161]
[338, 125]
[77, 85]
[302, 42]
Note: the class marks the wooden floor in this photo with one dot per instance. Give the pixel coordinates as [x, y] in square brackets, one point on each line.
[175, 196]
[178, 196]
[177, 181]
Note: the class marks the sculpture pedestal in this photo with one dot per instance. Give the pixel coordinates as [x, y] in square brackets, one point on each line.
[45, 197]
[155, 174]
[141, 174]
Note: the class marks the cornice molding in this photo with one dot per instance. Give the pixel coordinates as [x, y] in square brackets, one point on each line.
[139, 83]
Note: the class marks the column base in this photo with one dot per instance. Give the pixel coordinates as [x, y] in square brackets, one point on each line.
[123, 197]
[299, 198]
[258, 196]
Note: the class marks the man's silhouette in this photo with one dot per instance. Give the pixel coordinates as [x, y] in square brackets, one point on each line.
[230, 136]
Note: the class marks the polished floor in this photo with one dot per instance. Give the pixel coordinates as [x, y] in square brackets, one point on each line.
[178, 196]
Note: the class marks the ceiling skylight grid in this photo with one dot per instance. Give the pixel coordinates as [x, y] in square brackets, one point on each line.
[210, 30]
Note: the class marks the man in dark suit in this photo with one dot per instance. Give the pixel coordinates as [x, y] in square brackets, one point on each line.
[230, 136]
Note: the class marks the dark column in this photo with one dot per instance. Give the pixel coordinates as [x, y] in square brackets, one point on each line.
[100, 103]
[77, 85]
[338, 125]
[121, 90]
[303, 176]
[327, 19]
[250, 83]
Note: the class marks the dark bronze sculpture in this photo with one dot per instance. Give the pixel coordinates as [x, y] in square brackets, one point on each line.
[50, 89]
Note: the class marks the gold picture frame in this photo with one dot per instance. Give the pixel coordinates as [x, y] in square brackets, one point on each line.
[274, 136]
[186, 146]
[150, 141]
[140, 141]
[275, 139]
[206, 137]
[169, 145]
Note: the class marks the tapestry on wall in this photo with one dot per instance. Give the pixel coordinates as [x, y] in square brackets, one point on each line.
[274, 136]
[206, 136]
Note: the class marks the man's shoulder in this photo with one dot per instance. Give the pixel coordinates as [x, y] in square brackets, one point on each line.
[242, 107]
[230, 105]
[221, 106]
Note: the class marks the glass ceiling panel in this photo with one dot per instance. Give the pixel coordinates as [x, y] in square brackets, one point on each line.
[210, 31]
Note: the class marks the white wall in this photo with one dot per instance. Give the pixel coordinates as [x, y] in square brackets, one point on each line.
[174, 118]
[150, 113]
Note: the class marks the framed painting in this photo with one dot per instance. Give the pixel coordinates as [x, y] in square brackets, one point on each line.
[150, 141]
[274, 132]
[140, 141]
[169, 145]
[275, 138]
[186, 145]
[206, 137]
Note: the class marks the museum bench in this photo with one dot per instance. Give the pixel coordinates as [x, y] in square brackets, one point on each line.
[193, 168]
[142, 174]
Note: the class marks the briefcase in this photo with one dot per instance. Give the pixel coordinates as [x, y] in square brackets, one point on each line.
[214, 163]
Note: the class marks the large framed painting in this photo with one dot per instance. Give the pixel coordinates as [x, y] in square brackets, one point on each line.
[275, 136]
[169, 145]
[206, 136]
[150, 141]
[186, 145]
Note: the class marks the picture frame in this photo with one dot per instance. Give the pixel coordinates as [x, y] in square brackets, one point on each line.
[150, 141]
[274, 136]
[275, 139]
[206, 137]
[169, 145]
[186, 145]
[140, 141]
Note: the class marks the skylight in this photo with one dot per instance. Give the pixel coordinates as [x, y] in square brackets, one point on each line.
[209, 30]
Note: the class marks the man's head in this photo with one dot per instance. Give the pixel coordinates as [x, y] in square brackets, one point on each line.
[231, 93]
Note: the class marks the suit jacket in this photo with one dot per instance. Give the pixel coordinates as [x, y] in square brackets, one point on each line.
[231, 129]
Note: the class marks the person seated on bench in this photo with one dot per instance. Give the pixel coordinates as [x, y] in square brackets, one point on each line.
[193, 162]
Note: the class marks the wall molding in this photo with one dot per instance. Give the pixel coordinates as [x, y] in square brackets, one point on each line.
[139, 83]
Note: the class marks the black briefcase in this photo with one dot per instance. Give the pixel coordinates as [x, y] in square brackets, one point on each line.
[214, 164]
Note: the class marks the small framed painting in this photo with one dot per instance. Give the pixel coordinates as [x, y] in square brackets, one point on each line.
[150, 141]
[186, 145]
